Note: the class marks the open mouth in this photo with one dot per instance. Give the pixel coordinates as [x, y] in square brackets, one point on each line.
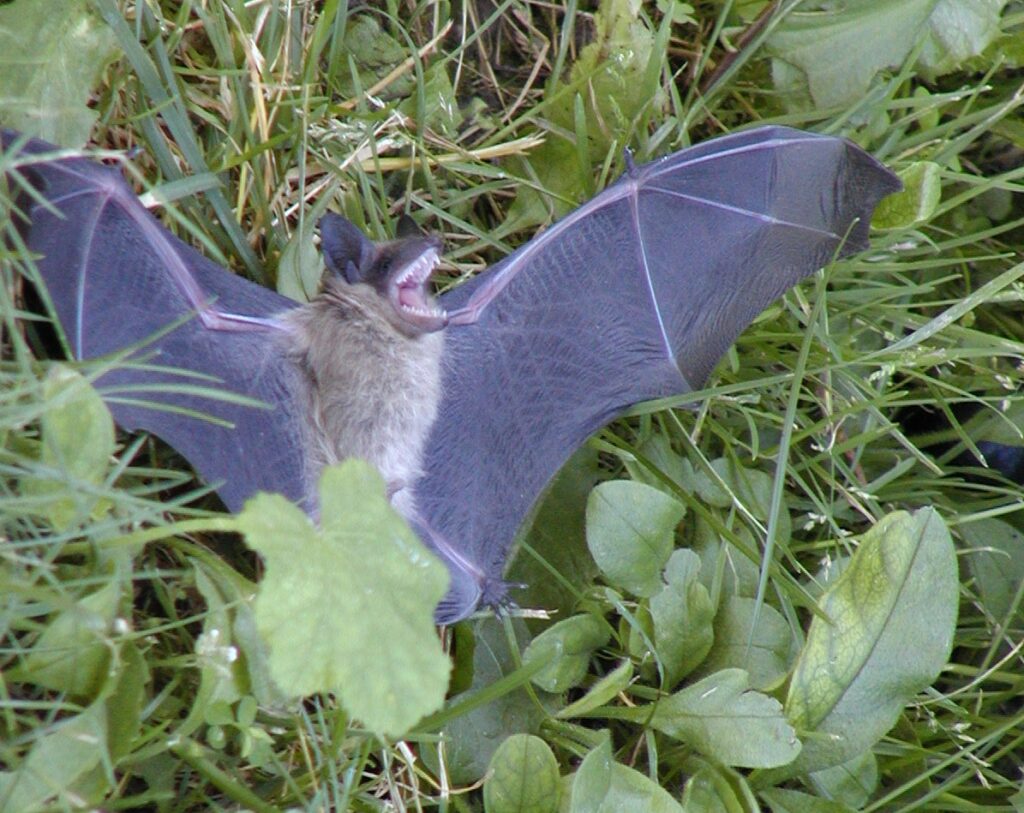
[412, 296]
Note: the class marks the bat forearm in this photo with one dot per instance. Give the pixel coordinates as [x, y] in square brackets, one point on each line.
[213, 319]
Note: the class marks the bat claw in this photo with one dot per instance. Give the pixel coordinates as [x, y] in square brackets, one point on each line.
[627, 156]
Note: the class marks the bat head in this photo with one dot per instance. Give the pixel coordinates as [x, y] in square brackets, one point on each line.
[398, 270]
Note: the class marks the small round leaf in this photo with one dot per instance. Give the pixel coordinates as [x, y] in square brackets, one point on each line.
[523, 777]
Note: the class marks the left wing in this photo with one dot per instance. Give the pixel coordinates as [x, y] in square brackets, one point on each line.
[634, 296]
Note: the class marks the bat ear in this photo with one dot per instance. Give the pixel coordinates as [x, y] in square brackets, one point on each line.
[407, 227]
[347, 251]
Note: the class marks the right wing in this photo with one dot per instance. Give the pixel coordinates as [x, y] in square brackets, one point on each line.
[108, 268]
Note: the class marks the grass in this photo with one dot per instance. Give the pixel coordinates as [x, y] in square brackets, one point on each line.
[855, 395]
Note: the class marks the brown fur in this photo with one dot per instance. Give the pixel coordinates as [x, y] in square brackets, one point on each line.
[373, 388]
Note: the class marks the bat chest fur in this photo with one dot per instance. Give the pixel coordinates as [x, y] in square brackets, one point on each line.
[372, 391]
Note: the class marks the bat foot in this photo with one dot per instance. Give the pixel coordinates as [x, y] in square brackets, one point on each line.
[494, 593]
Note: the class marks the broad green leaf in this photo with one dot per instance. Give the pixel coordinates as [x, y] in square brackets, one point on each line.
[781, 800]
[78, 440]
[125, 701]
[233, 656]
[51, 57]
[820, 47]
[823, 52]
[996, 561]
[301, 266]
[558, 536]
[441, 112]
[73, 654]
[658, 452]
[710, 788]
[723, 719]
[752, 488]
[60, 757]
[922, 191]
[522, 777]
[601, 692]
[929, 116]
[631, 533]
[608, 88]
[472, 738]
[1005, 427]
[349, 609]
[221, 676]
[230, 663]
[681, 13]
[765, 654]
[852, 783]
[721, 560]
[78, 432]
[891, 618]
[682, 615]
[601, 785]
[567, 648]
[374, 53]
[709, 489]
[959, 30]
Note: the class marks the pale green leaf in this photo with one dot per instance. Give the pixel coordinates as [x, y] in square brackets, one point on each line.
[682, 616]
[601, 785]
[78, 442]
[441, 112]
[888, 633]
[221, 675]
[601, 692]
[301, 265]
[608, 87]
[765, 653]
[723, 566]
[51, 57]
[631, 533]
[557, 536]
[125, 701]
[566, 648]
[522, 777]
[74, 652]
[751, 488]
[472, 738]
[657, 451]
[233, 657]
[852, 783]
[681, 13]
[781, 800]
[374, 53]
[922, 191]
[78, 432]
[822, 45]
[959, 30]
[349, 608]
[708, 791]
[62, 755]
[723, 719]
[996, 561]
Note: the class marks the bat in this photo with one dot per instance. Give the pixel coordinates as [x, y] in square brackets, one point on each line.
[633, 296]
[369, 348]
